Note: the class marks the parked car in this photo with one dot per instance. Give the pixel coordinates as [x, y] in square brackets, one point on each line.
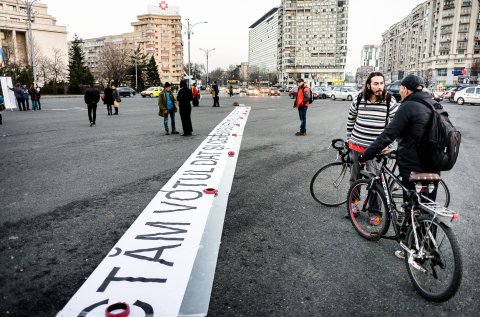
[264, 90]
[455, 90]
[126, 91]
[342, 92]
[283, 89]
[321, 92]
[292, 93]
[243, 90]
[274, 91]
[394, 90]
[252, 91]
[468, 95]
[152, 92]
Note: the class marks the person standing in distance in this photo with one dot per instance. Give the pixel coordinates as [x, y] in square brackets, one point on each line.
[167, 108]
[216, 98]
[196, 95]
[92, 97]
[18, 91]
[302, 103]
[184, 97]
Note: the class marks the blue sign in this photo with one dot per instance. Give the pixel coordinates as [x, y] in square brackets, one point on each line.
[456, 72]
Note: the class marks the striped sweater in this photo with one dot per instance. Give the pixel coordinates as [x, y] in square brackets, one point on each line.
[364, 126]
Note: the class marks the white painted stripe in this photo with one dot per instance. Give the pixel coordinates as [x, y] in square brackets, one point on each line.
[150, 266]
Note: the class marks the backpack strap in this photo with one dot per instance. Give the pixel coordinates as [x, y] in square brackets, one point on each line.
[359, 99]
[388, 101]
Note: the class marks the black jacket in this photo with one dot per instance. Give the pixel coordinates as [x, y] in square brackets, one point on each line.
[184, 97]
[92, 95]
[407, 127]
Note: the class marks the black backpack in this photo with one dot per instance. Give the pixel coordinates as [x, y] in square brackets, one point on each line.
[311, 95]
[438, 148]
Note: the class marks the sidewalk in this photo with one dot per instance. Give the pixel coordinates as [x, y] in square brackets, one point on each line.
[61, 96]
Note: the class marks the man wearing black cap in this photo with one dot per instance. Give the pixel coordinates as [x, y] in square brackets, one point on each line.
[167, 107]
[407, 127]
[302, 103]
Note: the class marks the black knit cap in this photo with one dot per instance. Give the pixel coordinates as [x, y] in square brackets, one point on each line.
[413, 83]
[167, 84]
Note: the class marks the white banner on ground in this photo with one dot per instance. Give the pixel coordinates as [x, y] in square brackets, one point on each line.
[150, 266]
[8, 95]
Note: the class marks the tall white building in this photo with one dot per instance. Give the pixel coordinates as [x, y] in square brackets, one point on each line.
[438, 40]
[312, 41]
[371, 56]
[262, 44]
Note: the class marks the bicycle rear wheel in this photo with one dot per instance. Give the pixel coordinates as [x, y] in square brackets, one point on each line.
[436, 267]
[330, 183]
[368, 211]
[443, 194]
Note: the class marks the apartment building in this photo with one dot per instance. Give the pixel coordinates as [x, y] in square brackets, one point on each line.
[48, 37]
[312, 41]
[262, 44]
[157, 33]
[439, 40]
[371, 56]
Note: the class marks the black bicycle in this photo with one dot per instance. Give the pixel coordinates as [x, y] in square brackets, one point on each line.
[422, 227]
[330, 183]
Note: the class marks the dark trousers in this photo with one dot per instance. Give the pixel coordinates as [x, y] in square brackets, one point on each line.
[0, 118]
[171, 114]
[92, 112]
[39, 105]
[109, 109]
[302, 112]
[216, 101]
[185, 115]
[195, 102]
[26, 103]
[116, 110]
[21, 104]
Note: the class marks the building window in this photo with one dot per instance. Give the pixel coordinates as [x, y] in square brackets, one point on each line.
[441, 72]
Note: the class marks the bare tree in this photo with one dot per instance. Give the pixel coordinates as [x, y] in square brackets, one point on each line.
[113, 62]
[57, 66]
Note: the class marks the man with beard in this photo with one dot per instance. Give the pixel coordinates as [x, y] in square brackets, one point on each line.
[368, 116]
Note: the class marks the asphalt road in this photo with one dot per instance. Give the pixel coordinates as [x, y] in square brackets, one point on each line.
[68, 192]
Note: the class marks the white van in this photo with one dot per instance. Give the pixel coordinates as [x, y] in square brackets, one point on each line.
[468, 95]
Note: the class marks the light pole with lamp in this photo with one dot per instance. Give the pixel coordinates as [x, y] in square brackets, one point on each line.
[207, 51]
[28, 7]
[189, 32]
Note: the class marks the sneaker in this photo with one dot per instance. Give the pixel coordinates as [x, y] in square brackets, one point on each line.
[91, 124]
[355, 210]
[375, 221]
[400, 254]
[300, 133]
[166, 133]
[175, 132]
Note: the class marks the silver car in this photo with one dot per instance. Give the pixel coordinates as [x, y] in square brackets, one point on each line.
[345, 93]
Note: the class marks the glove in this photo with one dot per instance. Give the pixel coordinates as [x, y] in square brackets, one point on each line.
[361, 159]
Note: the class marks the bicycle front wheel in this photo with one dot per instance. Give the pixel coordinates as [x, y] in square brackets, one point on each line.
[435, 266]
[330, 183]
[368, 211]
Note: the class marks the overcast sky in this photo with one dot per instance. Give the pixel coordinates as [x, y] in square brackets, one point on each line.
[228, 22]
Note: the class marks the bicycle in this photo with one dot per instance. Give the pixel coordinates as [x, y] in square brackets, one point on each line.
[421, 227]
[330, 183]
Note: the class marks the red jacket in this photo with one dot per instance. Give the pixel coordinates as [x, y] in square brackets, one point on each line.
[303, 96]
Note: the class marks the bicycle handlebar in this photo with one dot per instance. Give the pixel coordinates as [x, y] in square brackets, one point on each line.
[338, 144]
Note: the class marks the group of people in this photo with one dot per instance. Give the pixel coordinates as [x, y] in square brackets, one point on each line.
[111, 98]
[167, 106]
[23, 94]
[375, 120]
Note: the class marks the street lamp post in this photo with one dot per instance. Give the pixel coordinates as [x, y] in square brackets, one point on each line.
[189, 32]
[28, 7]
[207, 51]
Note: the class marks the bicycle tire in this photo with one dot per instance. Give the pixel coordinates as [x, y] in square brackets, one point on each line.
[443, 193]
[330, 183]
[440, 284]
[371, 222]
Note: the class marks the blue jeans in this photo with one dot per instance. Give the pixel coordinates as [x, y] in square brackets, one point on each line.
[302, 112]
[171, 114]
